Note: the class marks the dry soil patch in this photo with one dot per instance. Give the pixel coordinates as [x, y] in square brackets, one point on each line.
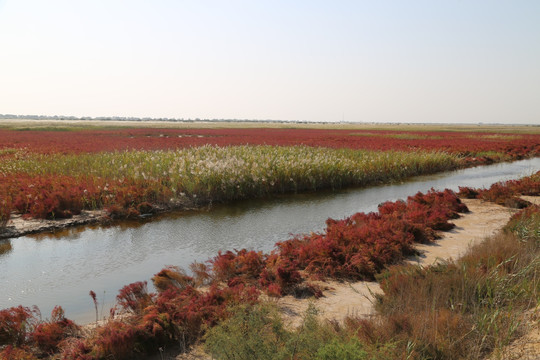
[527, 347]
[484, 220]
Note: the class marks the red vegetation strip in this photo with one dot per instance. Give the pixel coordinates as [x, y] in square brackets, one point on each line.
[60, 196]
[356, 248]
[465, 143]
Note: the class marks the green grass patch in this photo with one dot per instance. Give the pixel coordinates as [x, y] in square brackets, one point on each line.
[401, 136]
[497, 137]
[258, 332]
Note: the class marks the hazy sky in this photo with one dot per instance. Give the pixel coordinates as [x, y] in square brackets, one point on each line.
[377, 60]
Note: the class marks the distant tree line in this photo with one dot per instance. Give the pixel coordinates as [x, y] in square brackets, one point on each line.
[130, 118]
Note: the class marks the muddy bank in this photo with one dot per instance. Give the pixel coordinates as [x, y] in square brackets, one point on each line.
[18, 226]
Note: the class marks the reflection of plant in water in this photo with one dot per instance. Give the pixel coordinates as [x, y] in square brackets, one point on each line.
[5, 210]
[5, 247]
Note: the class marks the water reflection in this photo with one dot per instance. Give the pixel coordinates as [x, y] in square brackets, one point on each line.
[62, 268]
[5, 247]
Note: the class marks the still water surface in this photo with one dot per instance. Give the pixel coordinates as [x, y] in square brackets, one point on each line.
[62, 269]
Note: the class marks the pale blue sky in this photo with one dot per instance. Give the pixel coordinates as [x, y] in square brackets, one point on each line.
[383, 61]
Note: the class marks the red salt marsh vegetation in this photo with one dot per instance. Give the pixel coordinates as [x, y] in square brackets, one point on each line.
[51, 178]
[465, 143]
[57, 172]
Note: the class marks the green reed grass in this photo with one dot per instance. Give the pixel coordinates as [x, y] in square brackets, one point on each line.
[258, 332]
[401, 136]
[222, 173]
[497, 137]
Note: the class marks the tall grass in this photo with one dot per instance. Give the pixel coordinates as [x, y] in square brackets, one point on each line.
[212, 168]
[468, 308]
[205, 173]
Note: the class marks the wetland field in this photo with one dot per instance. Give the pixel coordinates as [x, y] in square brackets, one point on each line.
[224, 301]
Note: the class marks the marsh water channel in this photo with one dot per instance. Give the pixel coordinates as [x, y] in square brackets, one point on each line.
[61, 269]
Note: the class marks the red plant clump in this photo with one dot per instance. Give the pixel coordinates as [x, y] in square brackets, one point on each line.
[172, 277]
[5, 208]
[434, 209]
[76, 349]
[360, 246]
[507, 192]
[280, 275]
[117, 339]
[61, 196]
[189, 307]
[48, 335]
[48, 197]
[21, 329]
[237, 267]
[16, 324]
[134, 297]
[16, 353]
[178, 312]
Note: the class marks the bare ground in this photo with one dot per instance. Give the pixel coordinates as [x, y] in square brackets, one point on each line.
[19, 226]
[526, 347]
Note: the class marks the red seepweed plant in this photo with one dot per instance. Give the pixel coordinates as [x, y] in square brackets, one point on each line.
[22, 333]
[48, 335]
[477, 147]
[507, 192]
